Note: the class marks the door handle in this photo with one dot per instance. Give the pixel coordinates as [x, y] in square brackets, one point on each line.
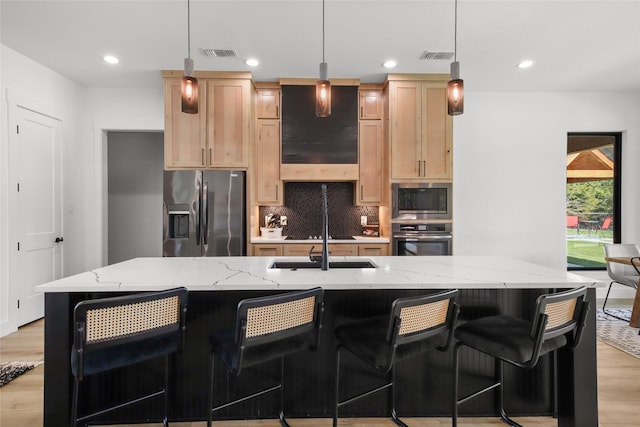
[59, 239]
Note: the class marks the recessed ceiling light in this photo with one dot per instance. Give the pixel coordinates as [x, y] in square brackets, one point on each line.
[252, 62]
[527, 63]
[390, 63]
[110, 59]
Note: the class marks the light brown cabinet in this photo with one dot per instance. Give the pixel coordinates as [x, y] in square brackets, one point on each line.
[370, 103]
[373, 249]
[335, 249]
[185, 136]
[267, 250]
[371, 180]
[216, 137]
[269, 188]
[267, 104]
[420, 130]
[228, 118]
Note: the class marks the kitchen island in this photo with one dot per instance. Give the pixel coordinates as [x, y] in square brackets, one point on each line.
[487, 285]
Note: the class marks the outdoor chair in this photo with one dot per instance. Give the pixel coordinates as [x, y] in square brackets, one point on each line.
[573, 222]
[606, 225]
[415, 325]
[559, 320]
[619, 273]
[267, 328]
[115, 332]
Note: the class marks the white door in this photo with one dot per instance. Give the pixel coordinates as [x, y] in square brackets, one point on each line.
[37, 213]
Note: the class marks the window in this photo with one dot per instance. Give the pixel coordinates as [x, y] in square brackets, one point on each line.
[593, 197]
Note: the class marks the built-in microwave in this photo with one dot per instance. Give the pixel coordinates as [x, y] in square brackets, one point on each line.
[421, 200]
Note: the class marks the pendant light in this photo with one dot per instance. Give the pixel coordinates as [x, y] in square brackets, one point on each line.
[189, 90]
[323, 86]
[455, 87]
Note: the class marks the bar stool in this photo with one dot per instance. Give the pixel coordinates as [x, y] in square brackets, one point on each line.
[267, 328]
[559, 320]
[114, 332]
[415, 325]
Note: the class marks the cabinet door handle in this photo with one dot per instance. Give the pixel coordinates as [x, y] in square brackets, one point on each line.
[361, 191]
[277, 111]
[202, 160]
[277, 195]
[210, 155]
[424, 168]
[361, 112]
[419, 169]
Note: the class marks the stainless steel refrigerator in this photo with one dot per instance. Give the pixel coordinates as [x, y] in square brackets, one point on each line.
[204, 213]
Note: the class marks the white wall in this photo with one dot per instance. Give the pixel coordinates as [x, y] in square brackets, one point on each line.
[51, 94]
[510, 169]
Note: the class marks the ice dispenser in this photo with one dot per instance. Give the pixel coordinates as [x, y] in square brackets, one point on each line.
[179, 222]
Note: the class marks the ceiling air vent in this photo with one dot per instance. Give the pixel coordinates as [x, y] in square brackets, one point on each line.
[220, 53]
[436, 56]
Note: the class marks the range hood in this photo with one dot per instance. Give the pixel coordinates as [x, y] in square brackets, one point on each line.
[314, 148]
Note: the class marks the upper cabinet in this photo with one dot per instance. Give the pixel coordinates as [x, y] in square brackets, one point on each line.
[267, 104]
[420, 130]
[370, 101]
[185, 135]
[218, 136]
[269, 188]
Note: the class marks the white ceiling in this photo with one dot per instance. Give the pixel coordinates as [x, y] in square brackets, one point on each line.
[576, 45]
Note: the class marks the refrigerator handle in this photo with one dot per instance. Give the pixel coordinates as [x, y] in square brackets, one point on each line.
[205, 216]
[198, 210]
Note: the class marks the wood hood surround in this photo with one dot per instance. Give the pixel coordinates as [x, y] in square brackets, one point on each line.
[319, 172]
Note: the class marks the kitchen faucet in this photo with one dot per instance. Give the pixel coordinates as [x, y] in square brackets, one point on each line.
[324, 258]
[325, 229]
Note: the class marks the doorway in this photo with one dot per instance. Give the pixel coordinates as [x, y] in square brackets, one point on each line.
[35, 212]
[134, 180]
[593, 197]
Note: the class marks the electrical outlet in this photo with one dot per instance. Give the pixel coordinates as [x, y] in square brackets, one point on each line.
[283, 220]
[363, 220]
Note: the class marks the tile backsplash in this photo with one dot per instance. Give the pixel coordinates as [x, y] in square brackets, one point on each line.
[303, 209]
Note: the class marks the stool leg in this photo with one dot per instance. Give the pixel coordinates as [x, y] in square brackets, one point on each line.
[74, 403]
[209, 409]
[165, 420]
[503, 415]
[337, 387]
[283, 422]
[394, 415]
[454, 412]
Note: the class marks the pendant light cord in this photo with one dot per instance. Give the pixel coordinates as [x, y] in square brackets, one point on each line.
[189, 29]
[455, 33]
[323, 31]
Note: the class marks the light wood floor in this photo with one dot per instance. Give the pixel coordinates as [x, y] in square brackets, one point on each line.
[21, 401]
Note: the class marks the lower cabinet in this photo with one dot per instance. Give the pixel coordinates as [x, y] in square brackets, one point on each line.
[267, 250]
[373, 249]
[335, 249]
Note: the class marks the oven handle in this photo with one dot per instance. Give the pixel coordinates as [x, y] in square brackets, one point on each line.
[423, 238]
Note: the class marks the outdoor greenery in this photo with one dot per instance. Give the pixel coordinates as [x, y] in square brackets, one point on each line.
[586, 198]
[590, 201]
[583, 253]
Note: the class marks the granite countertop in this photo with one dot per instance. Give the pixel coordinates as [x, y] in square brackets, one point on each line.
[355, 240]
[253, 273]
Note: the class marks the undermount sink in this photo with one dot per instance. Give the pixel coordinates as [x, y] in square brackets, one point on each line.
[294, 265]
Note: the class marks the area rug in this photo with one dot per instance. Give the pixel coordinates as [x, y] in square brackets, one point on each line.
[12, 370]
[616, 332]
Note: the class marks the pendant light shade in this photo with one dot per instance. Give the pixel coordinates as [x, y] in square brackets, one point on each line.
[455, 91]
[323, 86]
[323, 93]
[189, 88]
[455, 87]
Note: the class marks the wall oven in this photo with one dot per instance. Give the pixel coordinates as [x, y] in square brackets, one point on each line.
[421, 200]
[421, 239]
